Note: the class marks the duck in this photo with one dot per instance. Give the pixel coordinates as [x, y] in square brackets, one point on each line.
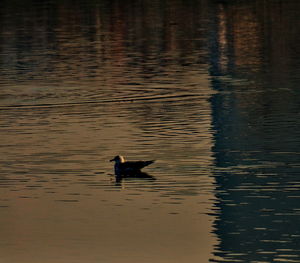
[132, 168]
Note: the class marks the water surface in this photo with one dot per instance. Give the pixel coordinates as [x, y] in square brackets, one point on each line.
[208, 89]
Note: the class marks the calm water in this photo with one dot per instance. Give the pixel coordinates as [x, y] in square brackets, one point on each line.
[210, 89]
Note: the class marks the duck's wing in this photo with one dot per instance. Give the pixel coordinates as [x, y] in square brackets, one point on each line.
[136, 165]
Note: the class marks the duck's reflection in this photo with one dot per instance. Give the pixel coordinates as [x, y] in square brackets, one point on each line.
[133, 176]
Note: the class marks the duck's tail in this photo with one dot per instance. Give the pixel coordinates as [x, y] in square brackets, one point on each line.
[146, 163]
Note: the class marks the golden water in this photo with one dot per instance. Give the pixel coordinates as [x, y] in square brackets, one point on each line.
[207, 89]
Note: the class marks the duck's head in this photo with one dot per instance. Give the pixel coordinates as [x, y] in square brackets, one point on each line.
[118, 159]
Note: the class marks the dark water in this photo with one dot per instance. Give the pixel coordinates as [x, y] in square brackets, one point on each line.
[210, 89]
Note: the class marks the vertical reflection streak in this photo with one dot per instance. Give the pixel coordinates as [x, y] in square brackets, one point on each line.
[256, 156]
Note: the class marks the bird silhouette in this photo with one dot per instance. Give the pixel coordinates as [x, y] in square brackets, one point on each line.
[123, 168]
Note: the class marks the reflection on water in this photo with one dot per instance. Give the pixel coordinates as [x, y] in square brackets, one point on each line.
[257, 142]
[208, 89]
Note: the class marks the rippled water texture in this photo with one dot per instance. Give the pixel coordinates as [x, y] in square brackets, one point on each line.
[209, 89]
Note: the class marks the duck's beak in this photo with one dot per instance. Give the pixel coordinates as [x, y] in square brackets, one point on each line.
[112, 160]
